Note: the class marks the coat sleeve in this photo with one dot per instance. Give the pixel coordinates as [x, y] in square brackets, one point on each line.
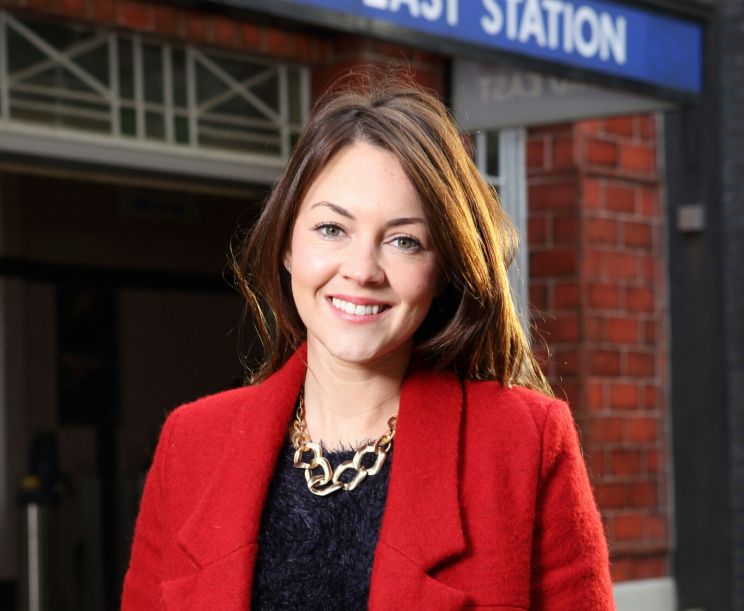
[570, 557]
[142, 582]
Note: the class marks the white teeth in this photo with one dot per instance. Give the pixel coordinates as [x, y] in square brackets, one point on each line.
[357, 310]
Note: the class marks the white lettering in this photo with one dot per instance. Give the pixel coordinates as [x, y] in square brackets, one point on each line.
[614, 36]
[586, 46]
[511, 18]
[494, 21]
[380, 4]
[553, 9]
[568, 45]
[413, 6]
[452, 12]
[432, 9]
[532, 23]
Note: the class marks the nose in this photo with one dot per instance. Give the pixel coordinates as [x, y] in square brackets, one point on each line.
[362, 264]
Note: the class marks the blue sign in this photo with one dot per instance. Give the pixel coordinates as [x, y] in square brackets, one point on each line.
[613, 39]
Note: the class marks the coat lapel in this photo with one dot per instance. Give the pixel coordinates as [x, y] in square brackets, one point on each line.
[422, 527]
[221, 535]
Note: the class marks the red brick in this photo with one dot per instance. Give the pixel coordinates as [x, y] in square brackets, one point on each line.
[622, 330]
[628, 526]
[653, 462]
[595, 391]
[650, 332]
[592, 329]
[649, 204]
[596, 463]
[302, 47]
[135, 15]
[563, 153]
[650, 567]
[563, 328]
[625, 462]
[647, 127]
[604, 296]
[196, 27]
[601, 152]
[604, 362]
[641, 430]
[622, 569]
[656, 527]
[639, 299]
[566, 362]
[551, 129]
[565, 295]
[564, 230]
[569, 393]
[624, 396]
[536, 153]
[552, 263]
[591, 193]
[644, 494]
[552, 196]
[249, 36]
[640, 364]
[73, 8]
[620, 198]
[103, 11]
[618, 265]
[538, 296]
[612, 495]
[638, 158]
[601, 230]
[621, 126]
[638, 234]
[537, 231]
[651, 397]
[165, 20]
[224, 31]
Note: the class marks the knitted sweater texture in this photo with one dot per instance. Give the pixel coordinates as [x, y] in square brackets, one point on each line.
[315, 552]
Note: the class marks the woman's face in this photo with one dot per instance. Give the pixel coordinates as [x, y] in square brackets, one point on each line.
[363, 269]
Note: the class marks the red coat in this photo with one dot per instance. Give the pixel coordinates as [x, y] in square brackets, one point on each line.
[502, 518]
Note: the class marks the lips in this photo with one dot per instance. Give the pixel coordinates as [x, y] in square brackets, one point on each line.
[358, 309]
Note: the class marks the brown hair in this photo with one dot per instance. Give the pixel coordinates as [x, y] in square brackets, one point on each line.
[472, 326]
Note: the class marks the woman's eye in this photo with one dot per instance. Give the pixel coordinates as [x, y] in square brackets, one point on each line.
[407, 243]
[328, 230]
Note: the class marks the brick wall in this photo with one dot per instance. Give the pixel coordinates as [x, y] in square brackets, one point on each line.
[598, 292]
[597, 283]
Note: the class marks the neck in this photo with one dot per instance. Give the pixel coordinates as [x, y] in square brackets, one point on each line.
[348, 403]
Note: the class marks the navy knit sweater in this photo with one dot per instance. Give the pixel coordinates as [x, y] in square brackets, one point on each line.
[316, 552]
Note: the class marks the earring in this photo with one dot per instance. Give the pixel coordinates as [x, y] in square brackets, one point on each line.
[288, 267]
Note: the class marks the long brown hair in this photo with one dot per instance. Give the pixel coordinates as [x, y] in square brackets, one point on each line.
[472, 327]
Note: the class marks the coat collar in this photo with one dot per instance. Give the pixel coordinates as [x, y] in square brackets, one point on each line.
[422, 517]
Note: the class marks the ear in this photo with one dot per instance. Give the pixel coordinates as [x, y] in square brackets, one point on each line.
[288, 262]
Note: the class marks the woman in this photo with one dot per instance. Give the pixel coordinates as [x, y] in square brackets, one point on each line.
[400, 446]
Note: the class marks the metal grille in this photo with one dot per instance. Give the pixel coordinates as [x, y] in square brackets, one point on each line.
[71, 77]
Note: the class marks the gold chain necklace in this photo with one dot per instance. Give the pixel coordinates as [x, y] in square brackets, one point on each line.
[330, 480]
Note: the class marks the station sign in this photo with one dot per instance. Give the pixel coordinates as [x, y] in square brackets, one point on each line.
[489, 96]
[657, 49]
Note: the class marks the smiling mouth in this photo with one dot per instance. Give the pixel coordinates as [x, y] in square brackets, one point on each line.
[357, 309]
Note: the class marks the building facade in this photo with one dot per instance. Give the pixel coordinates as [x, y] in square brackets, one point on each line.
[139, 139]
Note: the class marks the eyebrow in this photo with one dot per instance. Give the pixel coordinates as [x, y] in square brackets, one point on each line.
[393, 223]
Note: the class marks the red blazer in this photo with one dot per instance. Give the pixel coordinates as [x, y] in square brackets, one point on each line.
[502, 518]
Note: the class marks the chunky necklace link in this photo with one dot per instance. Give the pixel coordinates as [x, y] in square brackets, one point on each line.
[329, 480]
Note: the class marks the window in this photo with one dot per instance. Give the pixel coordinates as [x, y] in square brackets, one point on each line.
[500, 156]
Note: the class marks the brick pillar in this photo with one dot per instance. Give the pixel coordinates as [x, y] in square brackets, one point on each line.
[351, 51]
[599, 305]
